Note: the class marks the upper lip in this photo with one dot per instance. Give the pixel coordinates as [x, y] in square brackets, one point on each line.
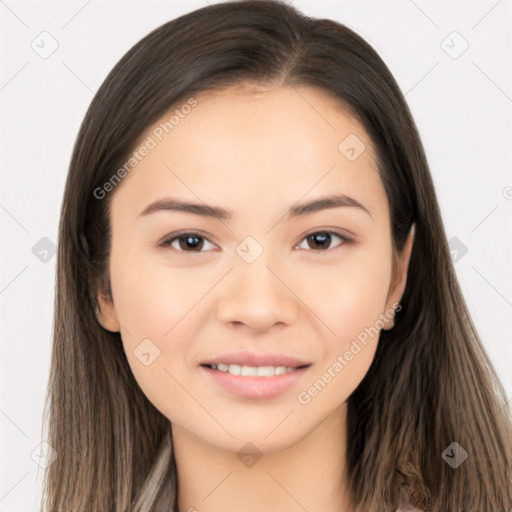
[254, 359]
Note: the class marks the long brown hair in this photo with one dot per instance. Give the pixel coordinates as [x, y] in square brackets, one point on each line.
[431, 382]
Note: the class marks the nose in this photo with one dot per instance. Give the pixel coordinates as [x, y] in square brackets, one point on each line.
[255, 295]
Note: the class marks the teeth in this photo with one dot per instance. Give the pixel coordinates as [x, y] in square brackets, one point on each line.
[252, 371]
[267, 371]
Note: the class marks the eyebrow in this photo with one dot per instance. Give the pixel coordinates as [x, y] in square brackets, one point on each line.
[217, 212]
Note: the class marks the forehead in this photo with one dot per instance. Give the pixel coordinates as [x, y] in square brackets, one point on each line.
[245, 143]
[294, 119]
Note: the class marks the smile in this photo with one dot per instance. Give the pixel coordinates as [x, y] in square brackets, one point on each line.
[252, 371]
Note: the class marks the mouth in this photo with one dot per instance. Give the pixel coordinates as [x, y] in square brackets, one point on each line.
[255, 375]
[254, 371]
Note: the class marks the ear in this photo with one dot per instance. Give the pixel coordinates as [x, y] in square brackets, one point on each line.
[401, 264]
[106, 313]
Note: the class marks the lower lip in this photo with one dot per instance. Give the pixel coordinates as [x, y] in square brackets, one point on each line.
[255, 387]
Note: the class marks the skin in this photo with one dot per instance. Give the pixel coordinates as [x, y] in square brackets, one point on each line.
[257, 152]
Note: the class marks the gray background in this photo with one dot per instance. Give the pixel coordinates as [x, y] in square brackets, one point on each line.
[461, 99]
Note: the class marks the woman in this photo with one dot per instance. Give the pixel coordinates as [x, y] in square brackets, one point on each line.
[256, 307]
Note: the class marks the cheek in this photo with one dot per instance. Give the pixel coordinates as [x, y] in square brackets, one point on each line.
[351, 304]
[349, 297]
[151, 298]
[155, 306]
[152, 304]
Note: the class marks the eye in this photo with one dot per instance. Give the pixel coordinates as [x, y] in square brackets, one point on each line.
[322, 239]
[186, 242]
[194, 242]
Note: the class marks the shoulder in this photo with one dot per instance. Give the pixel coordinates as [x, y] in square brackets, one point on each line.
[404, 503]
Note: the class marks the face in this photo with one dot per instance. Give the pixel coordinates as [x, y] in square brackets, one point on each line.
[296, 286]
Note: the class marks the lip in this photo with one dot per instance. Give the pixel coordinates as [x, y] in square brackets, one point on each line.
[244, 358]
[255, 387]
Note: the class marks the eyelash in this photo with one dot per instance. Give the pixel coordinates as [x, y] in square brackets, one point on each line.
[176, 236]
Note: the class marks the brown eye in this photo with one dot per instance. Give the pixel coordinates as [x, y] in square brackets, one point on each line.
[322, 240]
[186, 242]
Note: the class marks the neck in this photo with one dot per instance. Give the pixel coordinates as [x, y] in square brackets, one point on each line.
[309, 475]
